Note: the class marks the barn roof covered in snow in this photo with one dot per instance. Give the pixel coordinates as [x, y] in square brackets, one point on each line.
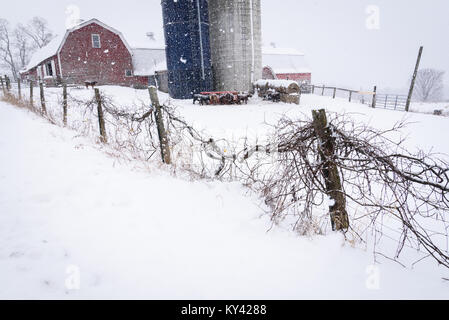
[44, 53]
[284, 60]
[147, 61]
[141, 40]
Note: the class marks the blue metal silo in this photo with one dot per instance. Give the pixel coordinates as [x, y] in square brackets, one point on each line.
[186, 29]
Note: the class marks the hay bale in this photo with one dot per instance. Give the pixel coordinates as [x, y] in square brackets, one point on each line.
[282, 86]
[290, 98]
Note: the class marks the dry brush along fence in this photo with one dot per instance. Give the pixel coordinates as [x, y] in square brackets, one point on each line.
[362, 175]
[309, 168]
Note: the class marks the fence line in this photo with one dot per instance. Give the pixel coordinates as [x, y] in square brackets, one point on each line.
[371, 98]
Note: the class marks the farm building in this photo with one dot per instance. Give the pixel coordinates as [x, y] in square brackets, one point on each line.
[92, 51]
[285, 64]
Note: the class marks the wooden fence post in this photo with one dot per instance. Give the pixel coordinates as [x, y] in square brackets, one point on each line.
[3, 85]
[412, 85]
[31, 94]
[335, 93]
[163, 139]
[101, 122]
[396, 102]
[8, 83]
[386, 101]
[20, 88]
[64, 103]
[374, 97]
[350, 96]
[44, 108]
[322, 92]
[337, 205]
[313, 89]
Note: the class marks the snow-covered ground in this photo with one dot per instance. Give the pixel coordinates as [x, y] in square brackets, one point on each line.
[431, 107]
[69, 210]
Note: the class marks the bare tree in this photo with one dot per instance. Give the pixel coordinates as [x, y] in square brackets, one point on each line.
[7, 47]
[23, 47]
[429, 85]
[17, 46]
[38, 31]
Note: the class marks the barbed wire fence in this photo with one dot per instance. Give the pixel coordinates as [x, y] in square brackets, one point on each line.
[388, 191]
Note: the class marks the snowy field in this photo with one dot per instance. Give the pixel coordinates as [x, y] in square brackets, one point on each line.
[69, 210]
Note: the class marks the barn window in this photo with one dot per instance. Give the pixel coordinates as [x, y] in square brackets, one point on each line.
[49, 69]
[129, 73]
[96, 41]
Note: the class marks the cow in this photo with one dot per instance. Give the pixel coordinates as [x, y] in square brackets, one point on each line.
[202, 99]
[214, 99]
[243, 97]
[272, 95]
[227, 98]
[90, 83]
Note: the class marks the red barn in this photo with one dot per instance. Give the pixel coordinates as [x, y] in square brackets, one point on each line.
[90, 51]
[285, 64]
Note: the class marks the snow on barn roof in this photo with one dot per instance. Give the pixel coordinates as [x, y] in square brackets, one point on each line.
[147, 61]
[284, 60]
[44, 53]
[140, 40]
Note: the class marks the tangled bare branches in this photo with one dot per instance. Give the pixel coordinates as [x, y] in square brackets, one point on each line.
[380, 179]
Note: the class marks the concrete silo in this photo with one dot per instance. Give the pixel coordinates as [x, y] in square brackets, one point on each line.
[235, 42]
[186, 29]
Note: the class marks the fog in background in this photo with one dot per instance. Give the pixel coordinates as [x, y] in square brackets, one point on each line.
[341, 43]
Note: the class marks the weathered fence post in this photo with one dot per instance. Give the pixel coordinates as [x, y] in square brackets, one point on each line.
[322, 92]
[64, 103]
[350, 96]
[31, 93]
[20, 88]
[337, 205]
[165, 148]
[8, 83]
[386, 101]
[412, 84]
[3, 85]
[313, 89]
[44, 108]
[396, 102]
[101, 122]
[335, 92]
[374, 97]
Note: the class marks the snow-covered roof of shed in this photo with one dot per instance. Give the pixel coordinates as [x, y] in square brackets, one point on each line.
[284, 60]
[147, 61]
[139, 40]
[46, 52]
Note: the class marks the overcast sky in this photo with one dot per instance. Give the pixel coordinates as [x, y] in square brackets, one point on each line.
[342, 40]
